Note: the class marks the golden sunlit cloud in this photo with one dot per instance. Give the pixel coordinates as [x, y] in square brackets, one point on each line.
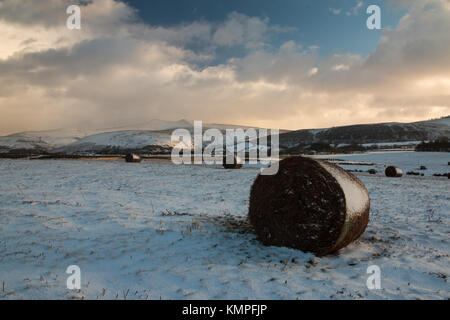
[116, 71]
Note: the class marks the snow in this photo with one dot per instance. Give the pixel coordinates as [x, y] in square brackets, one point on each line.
[356, 197]
[43, 139]
[435, 162]
[154, 132]
[160, 231]
[132, 139]
[397, 143]
[384, 144]
[120, 139]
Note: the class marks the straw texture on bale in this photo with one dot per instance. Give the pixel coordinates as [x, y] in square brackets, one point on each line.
[131, 157]
[393, 172]
[310, 205]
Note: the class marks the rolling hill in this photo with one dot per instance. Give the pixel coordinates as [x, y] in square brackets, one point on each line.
[46, 141]
[120, 142]
[154, 137]
[369, 133]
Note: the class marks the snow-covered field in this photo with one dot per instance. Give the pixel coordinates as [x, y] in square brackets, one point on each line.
[159, 231]
[435, 162]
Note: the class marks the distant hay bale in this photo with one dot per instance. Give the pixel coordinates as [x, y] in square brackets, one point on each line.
[372, 171]
[442, 175]
[232, 161]
[310, 205]
[393, 172]
[131, 157]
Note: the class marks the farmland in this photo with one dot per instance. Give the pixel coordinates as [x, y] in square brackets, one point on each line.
[159, 231]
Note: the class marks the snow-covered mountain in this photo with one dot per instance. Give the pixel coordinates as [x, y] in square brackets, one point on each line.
[143, 141]
[369, 133]
[44, 141]
[41, 140]
[140, 141]
[155, 136]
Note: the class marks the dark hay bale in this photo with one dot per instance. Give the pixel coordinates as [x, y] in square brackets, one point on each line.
[423, 168]
[393, 172]
[372, 171]
[231, 161]
[442, 175]
[133, 158]
[310, 205]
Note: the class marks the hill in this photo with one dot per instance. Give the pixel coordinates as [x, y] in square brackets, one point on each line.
[154, 136]
[369, 133]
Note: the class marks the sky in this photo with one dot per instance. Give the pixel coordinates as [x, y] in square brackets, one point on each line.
[335, 25]
[288, 64]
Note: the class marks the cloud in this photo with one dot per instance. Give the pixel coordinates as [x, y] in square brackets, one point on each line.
[335, 11]
[119, 70]
[52, 13]
[313, 71]
[251, 32]
[28, 27]
[240, 29]
[340, 67]
[355, 10]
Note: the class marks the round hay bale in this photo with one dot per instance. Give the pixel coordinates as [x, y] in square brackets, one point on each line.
[310, 205]
[232, 161]
[372, 171]
[393, 172]
[133, 158]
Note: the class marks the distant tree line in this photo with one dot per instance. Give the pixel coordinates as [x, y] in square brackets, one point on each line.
[441, 144]
[322, 147]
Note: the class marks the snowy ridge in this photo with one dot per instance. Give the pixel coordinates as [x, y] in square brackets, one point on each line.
[370, 134]
[131, 139]
[42, 140]
[57, 139]
[157, 133]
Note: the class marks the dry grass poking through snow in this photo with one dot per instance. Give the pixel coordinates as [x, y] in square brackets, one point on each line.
[159, 231]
